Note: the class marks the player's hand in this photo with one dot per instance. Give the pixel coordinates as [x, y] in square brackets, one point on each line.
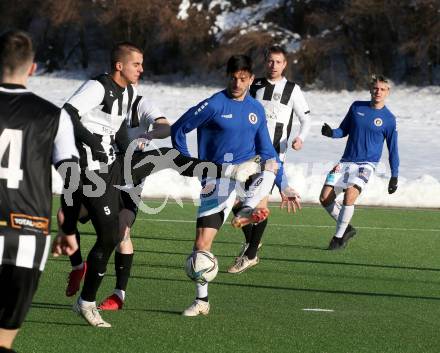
[143, 141]
[392, 185]
[99, 154]
[297, 143]
[290, 199]
[64, 245]
[326, 130]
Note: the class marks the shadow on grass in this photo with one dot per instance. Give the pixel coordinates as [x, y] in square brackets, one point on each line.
[321, 262]
[57, 306]
[57, 323]
[304, 290]
[43, 305]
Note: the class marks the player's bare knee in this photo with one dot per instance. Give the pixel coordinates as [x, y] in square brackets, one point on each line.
[327, 196]
[351, 195]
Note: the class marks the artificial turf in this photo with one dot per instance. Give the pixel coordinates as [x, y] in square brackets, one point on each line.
[381, 293]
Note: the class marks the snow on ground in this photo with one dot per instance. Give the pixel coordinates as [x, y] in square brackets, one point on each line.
[418, 115]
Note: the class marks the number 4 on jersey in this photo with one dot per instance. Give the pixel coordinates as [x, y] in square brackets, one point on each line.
[12, 173]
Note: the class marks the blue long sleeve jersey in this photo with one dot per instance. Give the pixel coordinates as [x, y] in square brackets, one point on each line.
[367, 128]
[227, 130]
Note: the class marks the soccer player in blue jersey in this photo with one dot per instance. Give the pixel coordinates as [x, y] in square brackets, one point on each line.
[231, 128]
[368, 125]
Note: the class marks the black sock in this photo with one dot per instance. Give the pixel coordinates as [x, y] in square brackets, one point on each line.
[205, 299]
[76, 258]
[123, 264]
[247, 231]
[257, 234]
[96, 268]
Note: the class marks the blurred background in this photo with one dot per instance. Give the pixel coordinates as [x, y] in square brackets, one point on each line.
[332, 44]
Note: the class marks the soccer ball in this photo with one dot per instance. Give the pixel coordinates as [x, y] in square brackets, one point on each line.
[201, 266]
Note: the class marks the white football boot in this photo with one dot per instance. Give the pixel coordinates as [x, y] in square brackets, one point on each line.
[198, 307]
[90, 313]
[242, 264]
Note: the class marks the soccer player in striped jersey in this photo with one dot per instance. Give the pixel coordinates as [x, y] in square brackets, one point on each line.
[281, 99]
[231, 127]
[145, 123]
[34, 135]
[98, 109]
[367, 124]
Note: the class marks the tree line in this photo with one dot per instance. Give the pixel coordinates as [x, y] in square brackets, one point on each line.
[340, 43]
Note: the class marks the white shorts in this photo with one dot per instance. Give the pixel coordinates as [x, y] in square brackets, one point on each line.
[217, 195]
[347, 174]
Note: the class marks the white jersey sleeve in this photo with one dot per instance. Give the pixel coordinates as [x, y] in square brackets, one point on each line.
[87, 97]
[302, 111]
[144, 116]
[64, 143]
[148, 111]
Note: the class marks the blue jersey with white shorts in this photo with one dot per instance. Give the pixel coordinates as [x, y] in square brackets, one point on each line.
[228, 130]
[367, 129]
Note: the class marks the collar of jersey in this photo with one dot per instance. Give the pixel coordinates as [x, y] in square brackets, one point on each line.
[12, 86]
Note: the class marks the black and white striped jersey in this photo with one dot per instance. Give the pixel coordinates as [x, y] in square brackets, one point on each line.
[34, 134]
[103, 106]
[280, 100]
[142, 116]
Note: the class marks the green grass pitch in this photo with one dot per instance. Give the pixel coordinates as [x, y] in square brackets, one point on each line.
[382, 292]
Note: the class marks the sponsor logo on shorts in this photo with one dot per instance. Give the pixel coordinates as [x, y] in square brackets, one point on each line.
[227, 116]
[36, 224]
[258, 182]
[378, 122]
[364, 174]
[253, 118]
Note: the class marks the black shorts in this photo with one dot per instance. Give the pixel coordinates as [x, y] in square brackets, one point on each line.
[214, 220]
[18, 286]
[128, 203]
[103, 210]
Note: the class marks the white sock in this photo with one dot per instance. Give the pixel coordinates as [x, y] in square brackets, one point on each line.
[260, 188]
[344, 219]
[120, 293]
[201, 290]
[333, 210]
[83, 302]
[78, 267]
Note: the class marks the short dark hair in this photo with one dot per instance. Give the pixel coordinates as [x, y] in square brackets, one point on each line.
[239, 63]
[275, 49]
[120, 50]
[16, 51]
